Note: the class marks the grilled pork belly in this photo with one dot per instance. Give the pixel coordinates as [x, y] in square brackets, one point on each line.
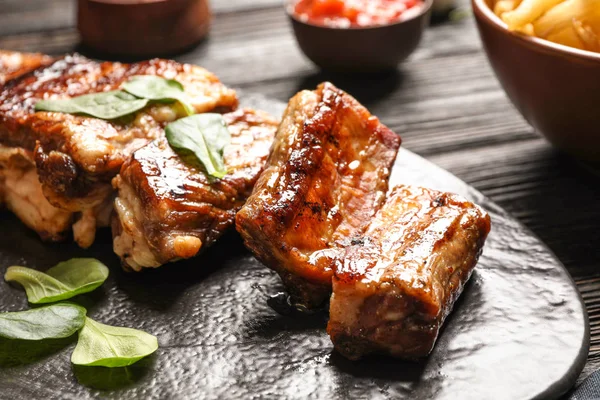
[324, 181]
[76, 157]
[14, 64]
[168, 210]
[395, 286]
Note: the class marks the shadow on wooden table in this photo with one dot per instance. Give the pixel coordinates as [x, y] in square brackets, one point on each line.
[97, 55]
[561, 208]
[369, 89]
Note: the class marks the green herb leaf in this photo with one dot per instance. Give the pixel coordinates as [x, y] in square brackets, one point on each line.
[63, 281]
[51, 322]
[203, 135]
[160, 89]
[111, 346]
[103, 105]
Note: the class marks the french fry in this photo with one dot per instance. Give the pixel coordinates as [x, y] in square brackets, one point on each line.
[527, 12]
[503, 6]
[527, 30]
[574, 23]
[586, 35]
[562, 16]
[567, 37]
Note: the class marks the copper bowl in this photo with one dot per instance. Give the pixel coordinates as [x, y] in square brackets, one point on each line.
[556, 88]
[371, 49]
[142, 28]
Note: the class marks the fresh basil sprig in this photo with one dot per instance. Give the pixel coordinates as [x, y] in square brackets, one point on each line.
[103, 105]
[204, 136]
[63, 281]
[111, 346]
[154, 87]
[50, 322]
[137, 92]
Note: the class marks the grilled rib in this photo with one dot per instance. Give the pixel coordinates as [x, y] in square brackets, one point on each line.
[76, 157]
[168, 210]
[395, 286]
[326, 177]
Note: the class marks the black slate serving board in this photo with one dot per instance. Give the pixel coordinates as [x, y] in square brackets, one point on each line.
[519, 331]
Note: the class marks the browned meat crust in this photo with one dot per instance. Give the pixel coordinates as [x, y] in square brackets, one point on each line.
[77, 156]
[168, 210]
[394, 288]
[325, 179]
[14, 64]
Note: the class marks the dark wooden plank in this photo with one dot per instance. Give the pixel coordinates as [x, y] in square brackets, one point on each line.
[444, 101]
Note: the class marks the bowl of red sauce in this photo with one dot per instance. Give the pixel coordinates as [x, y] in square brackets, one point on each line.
[358, 35]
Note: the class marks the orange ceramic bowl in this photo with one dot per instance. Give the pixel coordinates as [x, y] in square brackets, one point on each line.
[556, 88]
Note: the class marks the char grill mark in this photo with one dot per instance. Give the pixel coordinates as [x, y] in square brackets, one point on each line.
[394, 289]
[168, 210]
[326, 177]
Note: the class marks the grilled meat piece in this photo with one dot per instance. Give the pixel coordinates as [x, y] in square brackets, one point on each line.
[396, 285]
[325, 179]
[16, 165]
[21, 192]
[77, 156]
[167, 210]
[14, 64]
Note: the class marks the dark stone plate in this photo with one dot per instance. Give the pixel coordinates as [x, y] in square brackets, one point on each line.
[519, 330]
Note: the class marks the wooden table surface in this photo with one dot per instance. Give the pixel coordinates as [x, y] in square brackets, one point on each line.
[444, 101]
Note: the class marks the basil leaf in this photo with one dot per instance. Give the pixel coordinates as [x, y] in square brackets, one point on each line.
[63, 281]
[111, 346]
[103, 105]
[205, 136]
[156, 88]
[51, 322]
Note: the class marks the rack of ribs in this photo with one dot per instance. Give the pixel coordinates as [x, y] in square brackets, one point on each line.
[168, 210]
[325, 179]
[76, 157]
[393, 288]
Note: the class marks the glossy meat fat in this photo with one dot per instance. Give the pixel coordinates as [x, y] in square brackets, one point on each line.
[396, 284]
[325, 179]
[168, 210]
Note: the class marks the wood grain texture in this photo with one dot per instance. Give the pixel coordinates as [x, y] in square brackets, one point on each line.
[444, 101]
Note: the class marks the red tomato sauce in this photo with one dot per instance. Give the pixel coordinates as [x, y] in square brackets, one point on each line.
[353, 13]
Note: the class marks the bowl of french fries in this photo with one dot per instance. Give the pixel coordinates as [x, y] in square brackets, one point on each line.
[546, 55]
